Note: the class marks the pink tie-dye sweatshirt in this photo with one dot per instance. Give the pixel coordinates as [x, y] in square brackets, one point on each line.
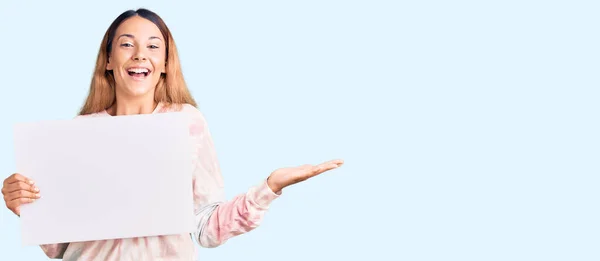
[217, 220]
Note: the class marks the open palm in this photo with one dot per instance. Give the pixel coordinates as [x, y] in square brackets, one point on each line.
[284, 177]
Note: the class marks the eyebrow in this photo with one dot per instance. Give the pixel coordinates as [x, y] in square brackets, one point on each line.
[131, 36]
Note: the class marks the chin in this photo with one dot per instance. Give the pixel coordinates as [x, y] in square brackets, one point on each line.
[140, 91]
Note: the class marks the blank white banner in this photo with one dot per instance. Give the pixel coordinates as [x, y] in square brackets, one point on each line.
[106, 177]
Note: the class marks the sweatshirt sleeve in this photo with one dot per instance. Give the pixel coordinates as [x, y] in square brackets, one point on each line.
[219, 220]
[55, 251]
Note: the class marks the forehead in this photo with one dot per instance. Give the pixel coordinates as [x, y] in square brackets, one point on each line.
[138, 27]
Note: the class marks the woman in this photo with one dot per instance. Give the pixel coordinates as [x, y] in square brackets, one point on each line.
[137, 72]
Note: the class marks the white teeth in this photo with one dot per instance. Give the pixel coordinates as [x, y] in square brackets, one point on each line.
[138, 70]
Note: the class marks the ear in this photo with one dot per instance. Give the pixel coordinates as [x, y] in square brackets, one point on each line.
[164, 69]
[109, 66]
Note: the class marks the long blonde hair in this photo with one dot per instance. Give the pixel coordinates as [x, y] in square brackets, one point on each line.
[171, 88]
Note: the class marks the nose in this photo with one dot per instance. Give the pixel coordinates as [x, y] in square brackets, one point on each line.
[139, 55]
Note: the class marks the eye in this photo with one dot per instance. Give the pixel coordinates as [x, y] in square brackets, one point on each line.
[127, 45]
[153, 46]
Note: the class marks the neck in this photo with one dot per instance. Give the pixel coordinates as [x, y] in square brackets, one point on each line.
[131, 106]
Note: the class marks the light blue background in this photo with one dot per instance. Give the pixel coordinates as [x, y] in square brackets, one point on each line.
[469, 128]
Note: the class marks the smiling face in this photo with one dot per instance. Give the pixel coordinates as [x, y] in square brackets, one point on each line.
[137, 58]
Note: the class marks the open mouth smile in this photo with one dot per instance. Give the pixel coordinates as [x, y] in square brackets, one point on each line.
[138, 72]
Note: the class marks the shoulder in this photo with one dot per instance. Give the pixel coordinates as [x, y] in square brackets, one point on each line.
[198, 124]
[185, 108]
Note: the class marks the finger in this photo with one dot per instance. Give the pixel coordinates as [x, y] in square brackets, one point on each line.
[337, 162]
[331, 164]
[20, 186]
[22, 194]
[21, 201]
[9, 179]
[16, 177]
[322, 168]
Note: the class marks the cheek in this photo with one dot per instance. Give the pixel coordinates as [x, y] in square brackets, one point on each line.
[116, 63]
[158, 61]
[161, 68]
[159, 65]
[119, 56]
